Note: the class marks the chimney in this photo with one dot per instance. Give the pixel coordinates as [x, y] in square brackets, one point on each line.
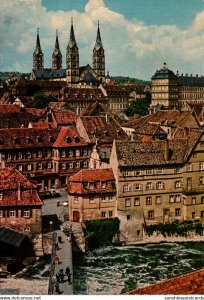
[166, 150]
[19, 191]
[2, 161]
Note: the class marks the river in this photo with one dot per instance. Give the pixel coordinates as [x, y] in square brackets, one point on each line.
[104, 271]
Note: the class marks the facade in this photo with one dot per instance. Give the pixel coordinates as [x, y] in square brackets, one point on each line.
[20, 206]
[92, 195]
[73, 74]
[158, 181]
[174, 90]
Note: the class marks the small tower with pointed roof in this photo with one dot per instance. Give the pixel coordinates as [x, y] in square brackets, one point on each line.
[56, 55]
[99, 57]
[72, 58]
[38, 60]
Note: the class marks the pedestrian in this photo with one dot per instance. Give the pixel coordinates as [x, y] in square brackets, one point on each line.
[69, 240]
[67, 271]
[56, 246]
[53, 281]
[57, 277]
[60, 239]
[56, 259]
[57, 290]
[69, 278]
[61, 274]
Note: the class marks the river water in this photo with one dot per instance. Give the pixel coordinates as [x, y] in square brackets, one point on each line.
[104, 271]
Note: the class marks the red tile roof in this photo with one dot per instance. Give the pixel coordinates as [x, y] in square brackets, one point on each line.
[9, 108]
[79, 183]
[78, 94]
[21, 138]
[187, 284]
[42, 125]
[15, 119]
[67, 117]
[38, 112]
[69, 137]
[10, 179]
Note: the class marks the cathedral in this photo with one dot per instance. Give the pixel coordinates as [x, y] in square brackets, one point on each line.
[73, 74]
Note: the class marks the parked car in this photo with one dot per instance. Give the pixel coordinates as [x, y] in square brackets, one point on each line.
[45, 195]
[55, 193]
[65, 203]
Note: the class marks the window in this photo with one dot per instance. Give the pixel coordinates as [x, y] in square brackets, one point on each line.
[70, 164]
[77, 153]
[49, 165]
[127, 202]
[202, 214]
[158, 199]
[125, 188]
[1, 196]
[177, 184]
[63, 166]
[29, 167]
[110, 213]
[128, 217]
[103, 198]
[110, 198]
[26, 213]
[171, 199]
[78, 164]
[137, 201]
[76, 200]
[150, 214]
[85, 152]
[188, 168]
[70, 153]
[20, 155]
[178, 198]
[177, 170]
[49, 153]
[149, 172]
[202, 200]
[149, 186]
[137, 186]
[193, 200]
[160, 185]
[91, 186]
[103, 184]
[63, 154]
[91, 200]
[177, 212]
[125, 173]
[9, 156]
[160, 171]
[28, 155]
[39, 153]
[27, 229]
[201, 180]
[1, 213]
[85, 164]
[193, 215]
[39, 166]
[148, 200]
[137, 172]
[20, 168]
[12, 213]
[103, 214]
[201, 166]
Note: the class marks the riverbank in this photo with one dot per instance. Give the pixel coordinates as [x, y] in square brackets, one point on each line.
[23, 286]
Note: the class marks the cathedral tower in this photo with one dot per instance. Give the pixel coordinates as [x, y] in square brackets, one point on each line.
[38, 62]
[99, 57]
[72, 58]
[56, 55]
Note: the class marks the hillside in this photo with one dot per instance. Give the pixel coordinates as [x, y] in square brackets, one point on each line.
[122, 80]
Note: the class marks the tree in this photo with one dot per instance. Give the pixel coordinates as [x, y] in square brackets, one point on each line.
[140, 107]
[41, 100]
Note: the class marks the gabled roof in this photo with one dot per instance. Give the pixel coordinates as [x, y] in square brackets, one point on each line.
[95, 109]
[68, 137]
[15, 119]
[186, 284]
[10, 180]
[9, 108]
[67, 117]
[79, 183]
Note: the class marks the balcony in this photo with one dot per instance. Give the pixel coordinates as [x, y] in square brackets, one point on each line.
[193, 190]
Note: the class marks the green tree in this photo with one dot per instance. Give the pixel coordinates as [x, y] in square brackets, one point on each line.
[41, 100]
[140, 107]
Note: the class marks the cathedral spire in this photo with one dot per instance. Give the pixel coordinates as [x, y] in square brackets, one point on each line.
[98, 43]
[38, 61]
[56, 56]
[72, 40]
[99, 57]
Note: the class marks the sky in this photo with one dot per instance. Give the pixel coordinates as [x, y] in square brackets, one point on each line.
[137, 35]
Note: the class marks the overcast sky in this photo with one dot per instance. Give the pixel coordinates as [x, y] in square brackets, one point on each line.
[138, 35]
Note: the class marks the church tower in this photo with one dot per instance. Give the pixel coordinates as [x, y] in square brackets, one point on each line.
[99, 58]
[56, 55]
[72, 58]
[38, 61]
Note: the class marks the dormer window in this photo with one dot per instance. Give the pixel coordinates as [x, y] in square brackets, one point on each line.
[39, 139]
[91, 186]
[28, 140]
[1, 196]
[16, 141]
[103, 185]
[69, 140]
[52, 139]
[105, 132]
[77, 139]
[1, 142]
